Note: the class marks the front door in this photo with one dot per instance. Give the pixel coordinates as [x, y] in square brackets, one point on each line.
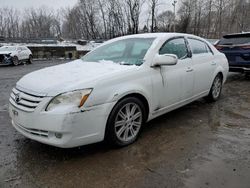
[178, 80]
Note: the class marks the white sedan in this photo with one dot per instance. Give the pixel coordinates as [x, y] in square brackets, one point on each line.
[14, 55]
[113, 90]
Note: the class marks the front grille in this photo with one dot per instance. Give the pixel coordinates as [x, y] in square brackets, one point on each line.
[24, 101]
[36, 132]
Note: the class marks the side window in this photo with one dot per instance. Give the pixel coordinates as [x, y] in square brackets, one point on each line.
[209, 49]
[198, 47]
[175, 46]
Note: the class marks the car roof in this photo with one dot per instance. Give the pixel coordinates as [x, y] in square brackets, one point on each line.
[232, 35]
[157, 36]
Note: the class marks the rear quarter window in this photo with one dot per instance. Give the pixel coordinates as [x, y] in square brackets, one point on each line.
[198, 47]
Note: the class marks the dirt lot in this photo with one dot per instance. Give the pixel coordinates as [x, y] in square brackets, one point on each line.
[199, 145]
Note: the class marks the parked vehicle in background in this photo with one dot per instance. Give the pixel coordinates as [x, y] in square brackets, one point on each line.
[113, 90]
[236, 47]
[14, 55]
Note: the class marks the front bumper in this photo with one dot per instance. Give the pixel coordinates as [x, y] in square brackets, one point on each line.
[76, 129]
[5, 59]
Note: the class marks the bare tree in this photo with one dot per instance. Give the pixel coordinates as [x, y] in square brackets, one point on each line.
[134, 10]
[9, 22]
[39, 22]
[93, 19]
[166, 21]
[153, 4]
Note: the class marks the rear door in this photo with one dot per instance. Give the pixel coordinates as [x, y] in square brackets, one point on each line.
[20, 53]
[25, 53]
[204, 65]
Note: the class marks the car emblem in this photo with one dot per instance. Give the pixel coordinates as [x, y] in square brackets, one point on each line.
[17, 98]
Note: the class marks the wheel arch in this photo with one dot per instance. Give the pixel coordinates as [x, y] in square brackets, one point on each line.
[139, 96]
[222, 73]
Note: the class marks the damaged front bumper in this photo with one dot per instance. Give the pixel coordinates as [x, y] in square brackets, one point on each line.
[5, 59]
[64, 130]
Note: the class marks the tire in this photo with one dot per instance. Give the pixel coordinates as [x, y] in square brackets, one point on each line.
[15, 61]
[247, 75]
[125, 122]
[215, 90]
[30, 60]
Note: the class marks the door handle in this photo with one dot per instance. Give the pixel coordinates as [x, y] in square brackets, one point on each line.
[189, 69]
[213, 63]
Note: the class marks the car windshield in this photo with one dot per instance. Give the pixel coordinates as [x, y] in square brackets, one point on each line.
[7, 48]
[127, 51]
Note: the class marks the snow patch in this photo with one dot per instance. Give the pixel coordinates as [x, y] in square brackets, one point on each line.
[63, 77]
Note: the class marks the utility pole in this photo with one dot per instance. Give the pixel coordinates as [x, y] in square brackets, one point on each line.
[174, 5]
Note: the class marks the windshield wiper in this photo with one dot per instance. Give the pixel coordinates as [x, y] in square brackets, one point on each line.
[126, 64]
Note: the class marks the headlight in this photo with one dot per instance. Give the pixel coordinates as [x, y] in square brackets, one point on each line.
[73, 99]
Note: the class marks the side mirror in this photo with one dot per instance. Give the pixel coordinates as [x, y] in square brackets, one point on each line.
[165, 59]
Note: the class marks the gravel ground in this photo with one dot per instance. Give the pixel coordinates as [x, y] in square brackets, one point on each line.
[199, 145]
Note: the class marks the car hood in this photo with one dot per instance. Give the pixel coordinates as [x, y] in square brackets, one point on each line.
[68, 77]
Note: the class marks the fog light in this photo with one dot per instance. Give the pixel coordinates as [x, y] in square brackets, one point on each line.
[58, 135]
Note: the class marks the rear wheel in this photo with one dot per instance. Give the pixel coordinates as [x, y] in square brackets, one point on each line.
[30, 60]
[247, 75]
[125, 122]
[215, 90]
[15, 61]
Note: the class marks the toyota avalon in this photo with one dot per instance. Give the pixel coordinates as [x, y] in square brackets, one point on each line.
[111, 92]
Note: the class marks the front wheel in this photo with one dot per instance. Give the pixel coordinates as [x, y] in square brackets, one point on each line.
[125, 122]
[216, 89]
[15, 61]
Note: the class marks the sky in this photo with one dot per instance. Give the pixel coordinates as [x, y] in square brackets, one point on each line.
[22, 4]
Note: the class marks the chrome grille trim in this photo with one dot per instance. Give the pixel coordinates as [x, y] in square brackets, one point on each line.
[27, 101]
[34, 131]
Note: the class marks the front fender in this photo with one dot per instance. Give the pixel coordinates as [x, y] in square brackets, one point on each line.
[115, 89]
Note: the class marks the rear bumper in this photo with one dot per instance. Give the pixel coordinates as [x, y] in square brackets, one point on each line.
[239, 69]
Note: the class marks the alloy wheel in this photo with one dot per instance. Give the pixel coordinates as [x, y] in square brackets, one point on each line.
[15, 61]
[217, 85]
[128, 122]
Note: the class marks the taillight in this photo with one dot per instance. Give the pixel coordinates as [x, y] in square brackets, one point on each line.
[218, 47]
